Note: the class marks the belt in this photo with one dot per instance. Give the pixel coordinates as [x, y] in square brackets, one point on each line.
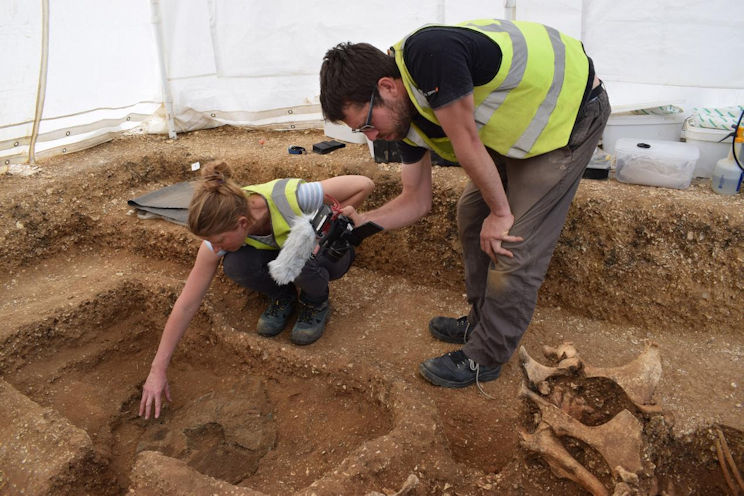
[594, 94]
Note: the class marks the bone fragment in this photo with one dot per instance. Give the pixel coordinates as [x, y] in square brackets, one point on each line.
[729, 458]
[724, 469]
[626, 476]
[406, 490]
[563, 465]
[623, 489]
[537, 372]
[628, 483]
[571, 403]
[618, 441]
[560, 352]
[638, 378]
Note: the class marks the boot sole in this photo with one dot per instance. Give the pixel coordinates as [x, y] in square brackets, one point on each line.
[304, 341]
[270, 333]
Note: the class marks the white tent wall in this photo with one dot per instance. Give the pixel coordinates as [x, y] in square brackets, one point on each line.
[655, 52]
[255, 63]
[667, 51]
[101, 77]
[20, 29]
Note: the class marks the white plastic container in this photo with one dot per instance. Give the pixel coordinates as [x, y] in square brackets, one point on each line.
[712, 149]
[641, 127]
[727, 177]
[669, 164]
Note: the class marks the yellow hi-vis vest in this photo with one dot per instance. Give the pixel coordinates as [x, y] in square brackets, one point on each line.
[281, 198]
[530, 105]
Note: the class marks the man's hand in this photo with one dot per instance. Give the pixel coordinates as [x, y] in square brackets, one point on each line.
[152, 392]
[495, 230]
[352, 214]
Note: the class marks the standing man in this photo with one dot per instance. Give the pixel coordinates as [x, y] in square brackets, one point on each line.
[518, 105]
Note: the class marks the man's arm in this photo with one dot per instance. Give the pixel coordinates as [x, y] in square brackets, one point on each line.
[411, 204]
[458, 123]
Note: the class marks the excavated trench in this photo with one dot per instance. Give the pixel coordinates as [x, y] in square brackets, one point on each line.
[89, 286]
[228, 421]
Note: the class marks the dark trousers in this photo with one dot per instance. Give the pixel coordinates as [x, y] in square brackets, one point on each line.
[539, 189]
[249, 267]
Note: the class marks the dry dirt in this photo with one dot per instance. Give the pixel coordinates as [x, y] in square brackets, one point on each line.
[87, 287]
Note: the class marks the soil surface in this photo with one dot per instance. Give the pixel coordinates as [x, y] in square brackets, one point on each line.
[88, 286]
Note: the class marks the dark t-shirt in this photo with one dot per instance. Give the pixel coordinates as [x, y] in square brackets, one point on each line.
[446, 63]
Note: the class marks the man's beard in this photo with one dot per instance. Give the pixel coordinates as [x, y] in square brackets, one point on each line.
[401, 119]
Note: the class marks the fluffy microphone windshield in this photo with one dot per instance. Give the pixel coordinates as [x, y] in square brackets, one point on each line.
[292, 257]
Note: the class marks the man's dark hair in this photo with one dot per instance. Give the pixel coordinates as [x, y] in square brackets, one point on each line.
[349, 74]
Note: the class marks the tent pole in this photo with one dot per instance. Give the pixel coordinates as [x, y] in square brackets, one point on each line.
[167, 99]
[41, 89]
[510, 7]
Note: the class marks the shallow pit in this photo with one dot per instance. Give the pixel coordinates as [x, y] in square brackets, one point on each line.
[251, 426]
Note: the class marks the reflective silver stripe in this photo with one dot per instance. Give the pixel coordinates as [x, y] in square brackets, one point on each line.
[279, 195]
[519, 63]
[416, 138]
[420, 98]
[516, 72]
[528, 139]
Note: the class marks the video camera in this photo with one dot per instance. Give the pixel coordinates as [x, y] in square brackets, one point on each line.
[336, 233]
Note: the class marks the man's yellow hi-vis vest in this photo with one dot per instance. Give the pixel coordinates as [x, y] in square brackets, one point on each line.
[530, 105]
[281, 198]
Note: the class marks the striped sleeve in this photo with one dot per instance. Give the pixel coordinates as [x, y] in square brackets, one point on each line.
[310, 197]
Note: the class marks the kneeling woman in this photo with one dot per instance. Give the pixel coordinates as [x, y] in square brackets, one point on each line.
[246, 228]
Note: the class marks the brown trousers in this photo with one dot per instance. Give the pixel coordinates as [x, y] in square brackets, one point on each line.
[539, 190]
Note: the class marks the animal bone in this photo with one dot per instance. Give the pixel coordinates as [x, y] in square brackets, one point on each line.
[628, 483]
[570, 402]
[561, 352]
[724, 455]
[537, 372]
[563, 465]
[638, 378]
[408, 486]
[618, 441]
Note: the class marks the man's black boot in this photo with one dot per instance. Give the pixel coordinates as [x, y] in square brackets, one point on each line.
[456, 370]
[450, 330]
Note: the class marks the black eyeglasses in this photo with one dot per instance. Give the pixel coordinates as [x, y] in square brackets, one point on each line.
[367, 126]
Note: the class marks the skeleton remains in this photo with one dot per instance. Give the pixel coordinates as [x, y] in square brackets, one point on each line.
[618, 441]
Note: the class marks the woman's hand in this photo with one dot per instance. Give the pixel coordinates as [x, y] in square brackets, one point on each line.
[152, 392]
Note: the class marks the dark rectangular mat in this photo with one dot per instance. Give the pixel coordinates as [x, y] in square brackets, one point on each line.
[170, 203]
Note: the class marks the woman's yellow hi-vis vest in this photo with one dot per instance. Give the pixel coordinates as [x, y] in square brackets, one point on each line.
[530, 105]
[281, 198]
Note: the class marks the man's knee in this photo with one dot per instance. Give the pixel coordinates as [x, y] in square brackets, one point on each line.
[471, 212]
